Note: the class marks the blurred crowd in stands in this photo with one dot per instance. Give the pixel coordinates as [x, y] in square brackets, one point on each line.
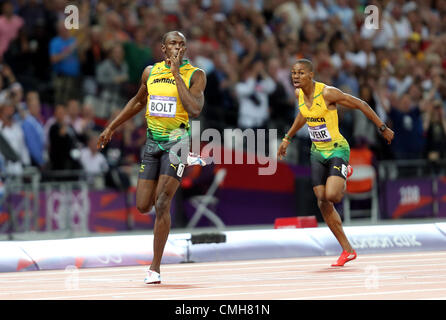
[60, 87]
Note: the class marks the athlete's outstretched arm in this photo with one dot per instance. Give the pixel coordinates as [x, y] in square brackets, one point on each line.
[333, 96]
[298, 123]
[133, 106]
[192, 98]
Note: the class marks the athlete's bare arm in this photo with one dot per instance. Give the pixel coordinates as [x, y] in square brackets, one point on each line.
[134, 106]
[192, 98]
[333, 96]
[298, 123]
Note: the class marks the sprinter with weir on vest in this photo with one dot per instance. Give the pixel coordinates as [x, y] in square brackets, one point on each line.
[171, 91]
[330, 151]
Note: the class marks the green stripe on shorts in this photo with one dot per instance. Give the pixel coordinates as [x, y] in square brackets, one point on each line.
[342, 150]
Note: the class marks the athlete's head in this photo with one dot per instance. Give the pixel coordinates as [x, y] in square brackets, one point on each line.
[302, 73]
[171, 44]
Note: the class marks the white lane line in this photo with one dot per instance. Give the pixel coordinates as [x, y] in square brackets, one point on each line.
[211, 284]
[353, 295]
[279, 290]
[267, 277]
[256, 276]
[295, 261]
[300, 290]
[37, 275]
[185, 280]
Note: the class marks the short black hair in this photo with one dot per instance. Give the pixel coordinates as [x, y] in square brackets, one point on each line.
[164, 39]
[307, 63]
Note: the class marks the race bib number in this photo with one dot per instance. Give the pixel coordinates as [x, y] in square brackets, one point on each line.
[162, 106]
[180, 170]
[319, 133]
[344, 171]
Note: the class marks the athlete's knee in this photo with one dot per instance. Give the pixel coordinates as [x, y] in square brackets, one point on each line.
[334, 197]
[323, 204]
[144, 208]
[319, 193]
[162, 204]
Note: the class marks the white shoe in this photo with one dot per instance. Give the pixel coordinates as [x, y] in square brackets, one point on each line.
[194, 159]
[152, 277]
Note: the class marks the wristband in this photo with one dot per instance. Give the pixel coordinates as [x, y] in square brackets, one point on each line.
[382, 128]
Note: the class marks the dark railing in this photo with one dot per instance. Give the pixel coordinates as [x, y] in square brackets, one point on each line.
[20, 199]
[396, 169]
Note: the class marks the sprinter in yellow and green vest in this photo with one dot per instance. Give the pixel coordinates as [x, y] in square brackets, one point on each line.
[171, 91]
[330, 151]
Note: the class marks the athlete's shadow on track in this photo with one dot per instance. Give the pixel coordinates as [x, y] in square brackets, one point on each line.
[338, 269]
[170, 286]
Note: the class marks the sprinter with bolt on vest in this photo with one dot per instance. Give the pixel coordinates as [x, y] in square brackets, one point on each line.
[171, 91]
